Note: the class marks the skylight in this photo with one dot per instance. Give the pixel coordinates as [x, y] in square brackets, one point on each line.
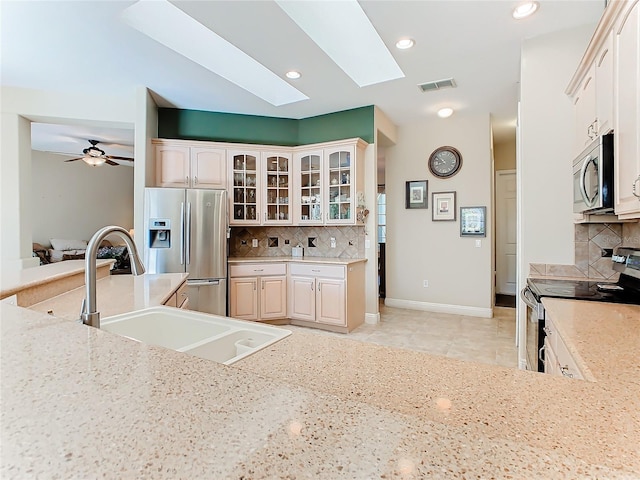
[346, 35]
[170, 26]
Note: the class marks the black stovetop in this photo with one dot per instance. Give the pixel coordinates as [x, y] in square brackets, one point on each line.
[600, 291]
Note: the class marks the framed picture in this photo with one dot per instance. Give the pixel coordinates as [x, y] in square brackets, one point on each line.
[473, 221]
[443, 206]
[416, 194]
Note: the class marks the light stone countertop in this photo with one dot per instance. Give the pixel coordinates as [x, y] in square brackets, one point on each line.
[590, 330]
[116, 294]
[16, 280]
[78, 402]
[330, 260]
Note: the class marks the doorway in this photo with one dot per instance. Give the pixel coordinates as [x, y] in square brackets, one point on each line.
[506, 230]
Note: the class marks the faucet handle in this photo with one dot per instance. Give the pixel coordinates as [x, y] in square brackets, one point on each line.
[83, 310]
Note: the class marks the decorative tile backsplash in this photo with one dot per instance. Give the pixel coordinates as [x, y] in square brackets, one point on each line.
[278, 241]
[593, 244]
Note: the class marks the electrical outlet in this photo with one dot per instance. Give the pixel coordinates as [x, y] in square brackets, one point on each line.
[254, 242]
[333, 242]
[478, 243]
[425, 283]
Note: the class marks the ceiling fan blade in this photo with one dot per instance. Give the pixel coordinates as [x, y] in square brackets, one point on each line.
[114, 157]
[109, 162]
[74, 159]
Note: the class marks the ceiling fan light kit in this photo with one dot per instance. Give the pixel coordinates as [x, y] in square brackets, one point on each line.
[94, 161]
[95, 156]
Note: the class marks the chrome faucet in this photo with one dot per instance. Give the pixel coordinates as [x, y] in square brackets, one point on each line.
[89, 315]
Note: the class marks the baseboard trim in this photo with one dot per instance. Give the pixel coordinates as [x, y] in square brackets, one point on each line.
[372, 318]
[439, 308]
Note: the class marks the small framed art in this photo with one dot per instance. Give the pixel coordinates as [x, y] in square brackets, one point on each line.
[416, 194]
[473, 221]
[443, 206]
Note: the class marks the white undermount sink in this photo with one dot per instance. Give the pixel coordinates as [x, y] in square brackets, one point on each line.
[221, 339]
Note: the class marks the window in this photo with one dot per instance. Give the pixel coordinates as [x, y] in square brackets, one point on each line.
[382, 215]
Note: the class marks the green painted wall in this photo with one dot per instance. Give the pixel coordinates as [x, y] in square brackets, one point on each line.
[357, 122]
[231, 127]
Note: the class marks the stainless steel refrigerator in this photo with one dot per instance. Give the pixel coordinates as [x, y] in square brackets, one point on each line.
[186, 231]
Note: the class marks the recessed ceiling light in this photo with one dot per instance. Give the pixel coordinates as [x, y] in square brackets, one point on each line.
[208, 49]
[525, 9]
[293, 74]
[445, 112]
[405, 43]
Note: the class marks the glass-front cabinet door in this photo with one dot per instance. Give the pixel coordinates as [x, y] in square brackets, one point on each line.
[341, 184]
[277, 188]
[310, 187]
[245, 178]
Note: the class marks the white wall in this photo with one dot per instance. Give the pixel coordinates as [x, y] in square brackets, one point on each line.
[73, 200]
[459, 274]
[544, 160]
[19, 107]
[546, 128]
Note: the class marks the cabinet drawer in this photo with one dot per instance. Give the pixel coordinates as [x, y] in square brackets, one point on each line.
[257, 269]
[316, 270]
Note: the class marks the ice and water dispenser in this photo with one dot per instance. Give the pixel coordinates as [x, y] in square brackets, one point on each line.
[159, 233]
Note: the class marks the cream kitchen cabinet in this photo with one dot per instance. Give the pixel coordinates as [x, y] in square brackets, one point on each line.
[557, 358]
[179, 298]
[245, 181]
[627, 129]
[329, 178]
[258, 291]
[190, 165]
[277, 191]
[261, 183]
[326, 295]
[593, 99]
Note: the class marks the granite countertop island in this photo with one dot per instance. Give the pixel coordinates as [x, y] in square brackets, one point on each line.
[78, 402]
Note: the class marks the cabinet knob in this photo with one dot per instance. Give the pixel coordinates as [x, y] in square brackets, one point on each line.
[565, 372]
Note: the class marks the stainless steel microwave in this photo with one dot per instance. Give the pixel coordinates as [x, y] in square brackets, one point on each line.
[593, 177]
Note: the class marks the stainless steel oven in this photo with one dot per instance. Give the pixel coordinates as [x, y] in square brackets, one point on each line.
[535, 330]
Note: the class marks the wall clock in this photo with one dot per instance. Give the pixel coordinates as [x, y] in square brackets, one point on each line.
[445, 162]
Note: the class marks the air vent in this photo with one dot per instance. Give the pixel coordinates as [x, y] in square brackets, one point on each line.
[437, 85]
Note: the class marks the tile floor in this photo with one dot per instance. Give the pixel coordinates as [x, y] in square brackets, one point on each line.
[484, 340]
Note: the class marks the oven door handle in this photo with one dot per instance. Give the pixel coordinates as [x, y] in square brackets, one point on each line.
[540, 353]
[528, 298]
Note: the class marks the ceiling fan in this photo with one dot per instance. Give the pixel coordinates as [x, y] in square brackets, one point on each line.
[95, 156]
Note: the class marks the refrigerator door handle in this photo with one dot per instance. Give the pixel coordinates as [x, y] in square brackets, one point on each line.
[182, 233]
[188, 234]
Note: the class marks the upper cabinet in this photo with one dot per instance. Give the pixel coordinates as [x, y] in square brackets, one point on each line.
[190, 165]
[261, 187]
[605, 91]
[593, 100]
[627, 128]
[319, 184]
[328, 183]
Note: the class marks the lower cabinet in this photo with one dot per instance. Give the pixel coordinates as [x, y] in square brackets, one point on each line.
[326, 295]
[178, 298]
[557, 359]
[258, 291]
